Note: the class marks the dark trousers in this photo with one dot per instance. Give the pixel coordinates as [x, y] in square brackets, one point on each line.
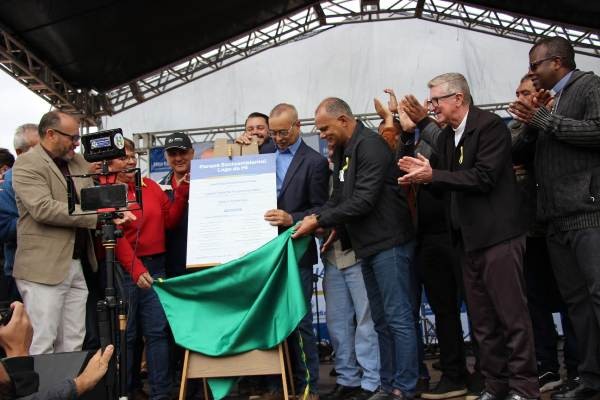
[310, 360]
[544, 299]
[440, 273]
[495, 292]
[575, 258]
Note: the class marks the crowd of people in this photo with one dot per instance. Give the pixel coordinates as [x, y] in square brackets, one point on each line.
[445, 197]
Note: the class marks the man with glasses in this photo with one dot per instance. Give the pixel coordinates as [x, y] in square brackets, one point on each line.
[566, 137]
[302, 188]
[483, 207]
[52, 245]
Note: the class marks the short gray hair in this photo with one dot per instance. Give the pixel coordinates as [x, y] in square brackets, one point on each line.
[335, 107]
[454, 82]
[21, 140]
[284, 107]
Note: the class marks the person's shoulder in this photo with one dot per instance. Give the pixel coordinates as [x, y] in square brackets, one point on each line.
[311, 153]
[484, 117]
[33, 156]
[150, 183]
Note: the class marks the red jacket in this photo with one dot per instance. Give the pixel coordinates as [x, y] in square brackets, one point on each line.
[157, 215]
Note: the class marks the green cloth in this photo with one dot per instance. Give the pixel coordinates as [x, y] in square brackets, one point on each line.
[254, 302]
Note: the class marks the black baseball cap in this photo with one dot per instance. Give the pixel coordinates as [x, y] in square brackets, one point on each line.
[178, 140]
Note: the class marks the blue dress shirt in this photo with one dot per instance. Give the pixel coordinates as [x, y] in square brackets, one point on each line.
[283, 159]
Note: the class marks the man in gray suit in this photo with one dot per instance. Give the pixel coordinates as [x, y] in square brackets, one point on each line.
[52, 243]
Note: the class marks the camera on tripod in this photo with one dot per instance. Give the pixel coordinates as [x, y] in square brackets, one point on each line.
[108, 196]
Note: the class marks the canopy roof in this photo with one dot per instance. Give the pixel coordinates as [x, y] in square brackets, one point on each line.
[112, 45]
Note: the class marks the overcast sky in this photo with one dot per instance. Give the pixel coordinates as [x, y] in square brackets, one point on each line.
[19, 106]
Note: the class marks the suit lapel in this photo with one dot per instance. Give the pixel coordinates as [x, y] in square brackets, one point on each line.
[293, 168]
[52, 165]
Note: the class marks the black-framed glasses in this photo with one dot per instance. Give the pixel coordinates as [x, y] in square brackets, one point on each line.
[435, 101]
[74, 138]
[282, 132]
[534, 65]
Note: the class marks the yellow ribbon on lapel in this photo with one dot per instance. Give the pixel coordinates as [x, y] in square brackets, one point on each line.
[460, 159]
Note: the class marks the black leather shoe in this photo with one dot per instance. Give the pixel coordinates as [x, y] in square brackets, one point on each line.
[515, 396]
[485, 395]
[341, 392]
[575, 392]
[362, 394]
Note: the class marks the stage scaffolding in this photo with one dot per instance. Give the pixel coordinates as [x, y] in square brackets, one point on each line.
[32, 72]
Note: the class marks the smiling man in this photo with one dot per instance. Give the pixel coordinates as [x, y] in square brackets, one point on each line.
[179, 153]
[483, 207]
[367, 201]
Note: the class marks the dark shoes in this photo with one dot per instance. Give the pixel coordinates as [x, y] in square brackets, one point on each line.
[445, 389]
[549, 381]
[361, 394]
[483, 395]
[422, 386]
[381, 395]
[341, 392]
[574, 391]
[515, 396]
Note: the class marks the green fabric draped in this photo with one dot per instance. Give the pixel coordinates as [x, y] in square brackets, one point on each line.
[254, 302]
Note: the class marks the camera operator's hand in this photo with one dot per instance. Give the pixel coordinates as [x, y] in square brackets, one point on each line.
[127, 217]
[145, 281]
[94, 371]
[16, 336]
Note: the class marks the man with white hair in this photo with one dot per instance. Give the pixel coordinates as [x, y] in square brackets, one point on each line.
[483, 207]
[26, 136]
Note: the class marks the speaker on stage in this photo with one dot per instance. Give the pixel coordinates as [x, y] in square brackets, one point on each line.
[56, 368]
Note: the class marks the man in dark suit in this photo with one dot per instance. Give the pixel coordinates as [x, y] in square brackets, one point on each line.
[302, 188]
[483, 208]
[368, 203]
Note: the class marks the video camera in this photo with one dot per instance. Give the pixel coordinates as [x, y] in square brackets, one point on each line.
[108, 196]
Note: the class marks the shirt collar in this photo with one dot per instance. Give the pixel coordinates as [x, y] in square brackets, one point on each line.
[461, 128]
[560, 85]
[292, 148]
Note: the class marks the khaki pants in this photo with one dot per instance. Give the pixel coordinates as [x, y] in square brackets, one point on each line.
[57, 312]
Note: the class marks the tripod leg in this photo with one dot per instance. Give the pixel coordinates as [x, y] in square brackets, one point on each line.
[104, 330]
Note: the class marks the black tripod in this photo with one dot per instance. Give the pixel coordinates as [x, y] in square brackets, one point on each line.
[112, 310]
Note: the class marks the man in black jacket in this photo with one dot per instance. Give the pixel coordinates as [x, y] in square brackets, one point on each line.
[483, 208]
[567, 168]
[367, 201]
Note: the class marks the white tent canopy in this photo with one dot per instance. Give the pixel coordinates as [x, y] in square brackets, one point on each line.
[354, 62]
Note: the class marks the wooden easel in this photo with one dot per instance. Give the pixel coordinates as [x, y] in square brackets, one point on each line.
[255, 362]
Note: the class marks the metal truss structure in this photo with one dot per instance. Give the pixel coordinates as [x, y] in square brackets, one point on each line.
[144, 141]
[29, 70]
[312, 20]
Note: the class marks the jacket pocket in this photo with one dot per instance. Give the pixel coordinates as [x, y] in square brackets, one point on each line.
[578, 192]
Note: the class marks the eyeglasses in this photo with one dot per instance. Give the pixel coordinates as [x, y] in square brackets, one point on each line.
[74, 138]
[282, 132]
[435, 101]
[132, 157]
[534, 65]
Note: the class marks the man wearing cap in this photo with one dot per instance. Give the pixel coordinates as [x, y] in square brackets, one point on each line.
[179, 153]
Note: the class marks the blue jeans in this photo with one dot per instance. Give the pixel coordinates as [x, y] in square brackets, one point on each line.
[146, 312]
[389, 279]
[351, 328]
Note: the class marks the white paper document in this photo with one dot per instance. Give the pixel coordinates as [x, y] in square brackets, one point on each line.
[228, 200]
